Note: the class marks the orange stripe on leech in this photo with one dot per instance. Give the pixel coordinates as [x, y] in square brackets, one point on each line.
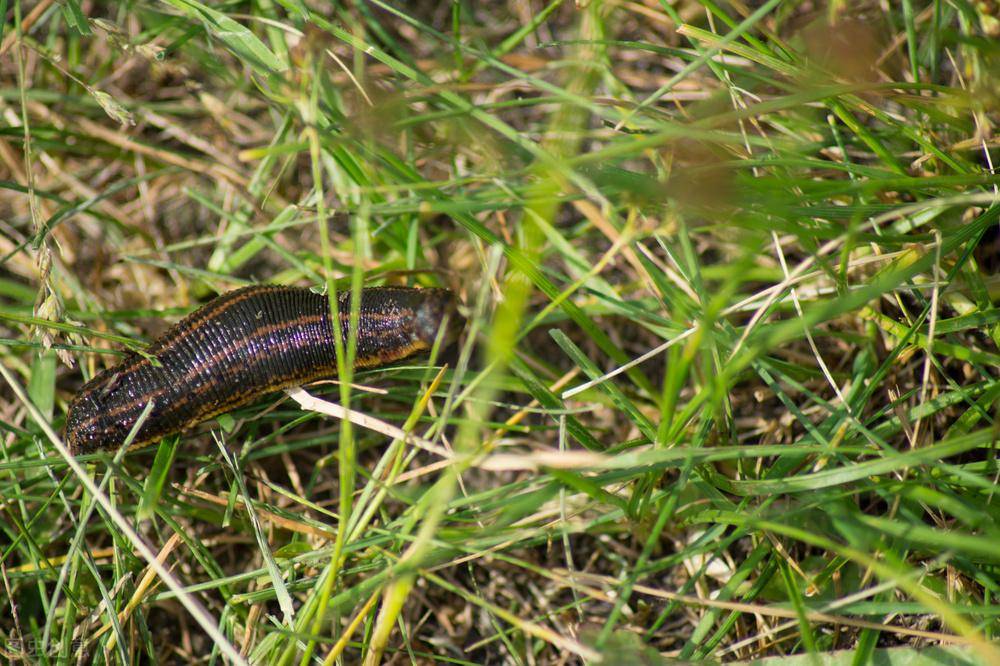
[188, 325]
[194, 321]
[296, 379]
[288, 380]
[266, 332]
[139, 402]
[386, 354]
[210, 366]
[283, 382]
[235, 399]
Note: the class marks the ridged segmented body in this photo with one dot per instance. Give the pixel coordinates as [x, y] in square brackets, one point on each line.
[242, 345]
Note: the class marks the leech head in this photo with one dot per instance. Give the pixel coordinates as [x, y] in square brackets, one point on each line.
[437, 308]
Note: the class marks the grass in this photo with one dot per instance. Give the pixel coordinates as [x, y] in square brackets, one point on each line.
[726, 389]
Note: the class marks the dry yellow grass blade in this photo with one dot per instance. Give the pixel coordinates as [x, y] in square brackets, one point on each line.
[147, 584]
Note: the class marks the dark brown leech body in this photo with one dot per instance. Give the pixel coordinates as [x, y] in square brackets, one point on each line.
[241, 346]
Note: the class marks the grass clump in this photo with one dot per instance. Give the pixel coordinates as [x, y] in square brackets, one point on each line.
[727, 385]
